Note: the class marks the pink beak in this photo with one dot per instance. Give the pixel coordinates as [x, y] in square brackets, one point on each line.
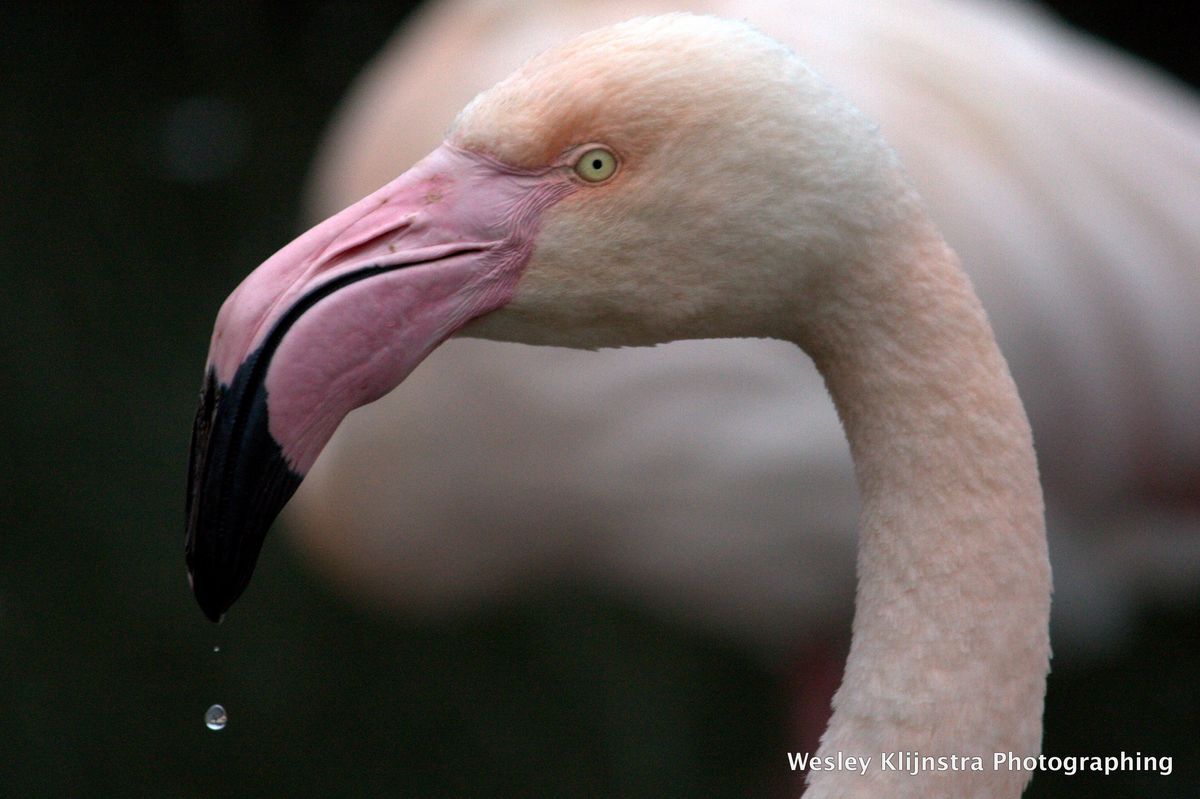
[335, 320]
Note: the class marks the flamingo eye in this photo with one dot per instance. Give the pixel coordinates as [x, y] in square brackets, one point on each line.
[596, 165]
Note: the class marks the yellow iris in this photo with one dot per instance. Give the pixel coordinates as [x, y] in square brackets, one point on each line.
[596, 165]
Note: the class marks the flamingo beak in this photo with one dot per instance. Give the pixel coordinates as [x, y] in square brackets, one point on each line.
[335, 320]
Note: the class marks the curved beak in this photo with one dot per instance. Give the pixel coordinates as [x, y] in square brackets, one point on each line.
[335, 320]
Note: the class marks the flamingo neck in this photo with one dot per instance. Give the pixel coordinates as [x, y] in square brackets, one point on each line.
[950, 645]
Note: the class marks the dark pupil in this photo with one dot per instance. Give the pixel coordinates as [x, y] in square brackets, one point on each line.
[597, 164]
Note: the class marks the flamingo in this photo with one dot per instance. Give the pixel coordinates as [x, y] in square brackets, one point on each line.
[1061, 171]
[668, 178]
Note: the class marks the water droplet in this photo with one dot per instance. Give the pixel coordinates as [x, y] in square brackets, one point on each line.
[216, 649]
[215, 718]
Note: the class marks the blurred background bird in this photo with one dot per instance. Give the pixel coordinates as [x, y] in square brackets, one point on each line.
[627, 618]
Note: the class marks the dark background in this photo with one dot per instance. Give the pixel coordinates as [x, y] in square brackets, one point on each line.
[119, 238]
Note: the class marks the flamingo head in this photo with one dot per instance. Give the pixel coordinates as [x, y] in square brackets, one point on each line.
[668, 177]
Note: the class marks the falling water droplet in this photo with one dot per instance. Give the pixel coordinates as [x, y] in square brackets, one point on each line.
[215, 718]
[216, 649]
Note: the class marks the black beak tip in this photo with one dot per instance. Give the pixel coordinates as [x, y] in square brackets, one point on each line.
[238, 481]
[210, 601]
[211, 611]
